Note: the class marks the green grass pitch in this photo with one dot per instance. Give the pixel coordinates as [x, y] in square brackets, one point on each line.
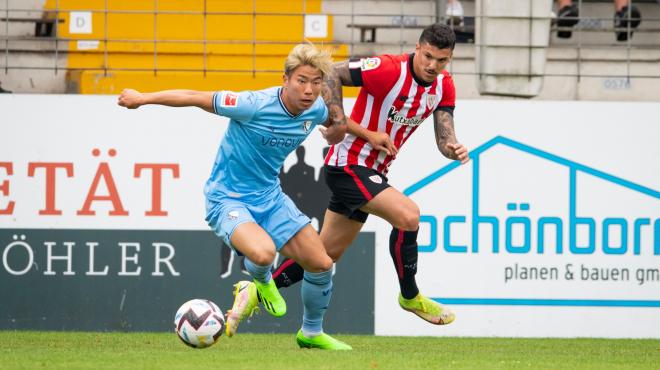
[71, 350]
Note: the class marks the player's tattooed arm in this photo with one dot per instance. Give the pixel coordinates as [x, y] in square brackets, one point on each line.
[445, 137]
[332, 95]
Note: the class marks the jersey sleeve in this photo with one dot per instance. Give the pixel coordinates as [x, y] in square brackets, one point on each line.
[377, 75]
[448, 101]
[323, 113]
[239, 106]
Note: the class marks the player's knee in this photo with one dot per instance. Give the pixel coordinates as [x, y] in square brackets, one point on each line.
[320, 264]
[409, 219]
[335, 255]
[263, 257]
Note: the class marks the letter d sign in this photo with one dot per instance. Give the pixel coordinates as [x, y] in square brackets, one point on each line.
[80, 22]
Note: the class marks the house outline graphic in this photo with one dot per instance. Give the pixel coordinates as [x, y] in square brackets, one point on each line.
[574, 168]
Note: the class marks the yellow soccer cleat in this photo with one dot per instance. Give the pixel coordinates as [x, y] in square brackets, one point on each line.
[427, 309]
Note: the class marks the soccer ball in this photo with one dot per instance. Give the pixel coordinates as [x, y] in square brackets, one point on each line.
[199, 323]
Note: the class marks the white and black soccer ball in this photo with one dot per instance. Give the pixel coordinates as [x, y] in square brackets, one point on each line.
[199, 323]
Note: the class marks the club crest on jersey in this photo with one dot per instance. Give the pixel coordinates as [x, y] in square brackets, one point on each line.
[376, 179]
[306, 125]
[370, 63]
[229, 99]
[430, 101]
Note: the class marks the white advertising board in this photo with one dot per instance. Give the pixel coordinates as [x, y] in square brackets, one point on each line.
[551, 230]
[83, 162]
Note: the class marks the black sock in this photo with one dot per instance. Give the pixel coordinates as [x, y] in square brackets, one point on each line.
[287, 273]
[403, 249]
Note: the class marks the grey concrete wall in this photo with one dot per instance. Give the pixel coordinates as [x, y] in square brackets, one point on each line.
[570, 62]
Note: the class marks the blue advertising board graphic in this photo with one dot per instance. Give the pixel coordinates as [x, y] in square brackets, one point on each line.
[611, 236]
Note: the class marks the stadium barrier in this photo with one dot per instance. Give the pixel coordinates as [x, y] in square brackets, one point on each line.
[551, 230]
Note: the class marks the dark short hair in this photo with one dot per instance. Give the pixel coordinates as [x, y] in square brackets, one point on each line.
[439, 35]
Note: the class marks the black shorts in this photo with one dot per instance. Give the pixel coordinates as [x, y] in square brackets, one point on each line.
[352, 187]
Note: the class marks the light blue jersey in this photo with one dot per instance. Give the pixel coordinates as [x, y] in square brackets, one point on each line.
[244, 185]
[260, 136]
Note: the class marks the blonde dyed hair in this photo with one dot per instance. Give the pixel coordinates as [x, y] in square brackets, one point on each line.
[308, 55]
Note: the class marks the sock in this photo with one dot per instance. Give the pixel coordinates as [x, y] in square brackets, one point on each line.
[288, 273]
[260, 273]
[403, 249]
[316, 292]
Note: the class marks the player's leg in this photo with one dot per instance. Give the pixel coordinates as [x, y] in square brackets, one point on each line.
[337, 234]
[343, 219]
[259, 250]
[307, 250]
[249, 239]
[403, 214]
[234, 224]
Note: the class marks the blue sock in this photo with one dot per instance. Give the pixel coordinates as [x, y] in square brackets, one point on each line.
[260, 273]
[316, 292]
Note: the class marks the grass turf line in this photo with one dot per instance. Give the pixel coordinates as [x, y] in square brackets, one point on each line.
[73, 350]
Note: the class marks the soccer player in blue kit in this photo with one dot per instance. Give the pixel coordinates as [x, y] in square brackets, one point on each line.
[244, 201]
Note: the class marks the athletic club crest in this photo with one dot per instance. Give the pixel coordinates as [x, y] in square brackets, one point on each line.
[430, 101]
[306, 125]
[376, 179]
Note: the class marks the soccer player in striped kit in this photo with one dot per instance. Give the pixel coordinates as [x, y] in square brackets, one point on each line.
[398, 92]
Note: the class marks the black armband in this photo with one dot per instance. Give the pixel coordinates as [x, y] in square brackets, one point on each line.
[448, 109]
[355, 68]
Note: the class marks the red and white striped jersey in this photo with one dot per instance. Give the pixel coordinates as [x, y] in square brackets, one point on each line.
[392, 100]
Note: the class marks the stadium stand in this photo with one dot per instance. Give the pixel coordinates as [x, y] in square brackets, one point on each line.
[204, 44]
[237, 45]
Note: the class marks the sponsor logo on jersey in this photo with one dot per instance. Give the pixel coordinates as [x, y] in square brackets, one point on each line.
[229, 99]
[394, 117]
[430, 101]
[280, 142]
[370, 63]
[376, 179]
[306, 125]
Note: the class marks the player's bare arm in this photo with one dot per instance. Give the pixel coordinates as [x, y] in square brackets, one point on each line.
[445, 137]
[133, 99]
[377, 140]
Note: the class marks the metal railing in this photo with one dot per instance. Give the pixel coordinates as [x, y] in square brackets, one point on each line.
[349, 17]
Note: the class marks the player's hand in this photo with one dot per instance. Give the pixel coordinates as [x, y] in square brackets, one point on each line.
[460, 152]
[130, 99]
[333, 134]
[382, 141]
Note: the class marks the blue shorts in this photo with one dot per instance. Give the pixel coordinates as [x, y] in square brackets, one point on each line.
[277, 215]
